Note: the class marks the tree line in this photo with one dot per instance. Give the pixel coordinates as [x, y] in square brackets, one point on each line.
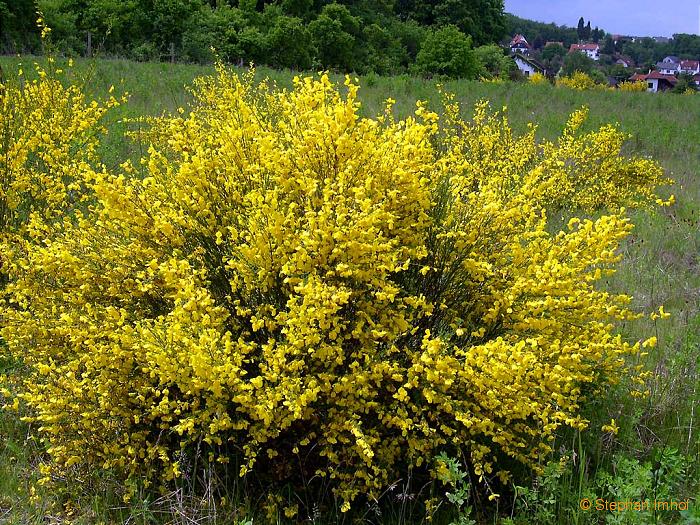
[383, 36]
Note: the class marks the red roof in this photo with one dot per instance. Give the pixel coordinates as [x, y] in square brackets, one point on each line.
[689, 64]
[654, 75]
[519, 39]
[584, 47]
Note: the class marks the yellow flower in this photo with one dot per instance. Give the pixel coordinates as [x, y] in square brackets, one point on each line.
[287, 271]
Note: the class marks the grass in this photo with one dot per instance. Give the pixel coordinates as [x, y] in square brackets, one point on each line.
[661, 266]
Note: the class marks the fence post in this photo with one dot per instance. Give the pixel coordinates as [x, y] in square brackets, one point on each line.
[172, 52]
[89, 44]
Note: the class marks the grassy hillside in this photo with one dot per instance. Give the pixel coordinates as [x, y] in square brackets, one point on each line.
[661, 261]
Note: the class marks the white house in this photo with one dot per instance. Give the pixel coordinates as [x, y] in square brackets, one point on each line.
[591, 50]
[669, 66]
[655, 81]
[519, 44]
[527, 65]
[690, 67]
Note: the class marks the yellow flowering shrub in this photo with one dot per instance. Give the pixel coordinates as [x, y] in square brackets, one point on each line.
[579, 81]
[579, 170]
[48, 139]
[637, 86]
[290, 280]
[538, 78]
[48, 136]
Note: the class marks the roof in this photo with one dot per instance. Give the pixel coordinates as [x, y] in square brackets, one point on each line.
[690, 64]
[519, 40]
[654, 75]
[584, 47]
[666, 65]
[554, 44]
[625, 60]
[533, 63]
[672, 58]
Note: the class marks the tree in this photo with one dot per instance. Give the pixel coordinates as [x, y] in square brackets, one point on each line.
[608, 46]
[298, 8]
[577, 62]
[492, 61]
[447, 51]
[333, 34]
[685, 82]
[549, 32]
[383, 52]
[553, 50]
[581, 30]
[587, 31]
[538, 43]
[288, 44]
[483, 20]
[18, 29]
[619, 72]
[595, 36]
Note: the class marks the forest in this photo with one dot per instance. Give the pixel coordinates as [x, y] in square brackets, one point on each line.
[384, 37]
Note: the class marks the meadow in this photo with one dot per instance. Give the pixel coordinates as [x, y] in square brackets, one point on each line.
[658, 442]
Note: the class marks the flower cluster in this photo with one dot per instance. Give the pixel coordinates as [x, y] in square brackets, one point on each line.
[538, 78]
[290, 279]
[637, 86]
[580, 81]
[48, 137]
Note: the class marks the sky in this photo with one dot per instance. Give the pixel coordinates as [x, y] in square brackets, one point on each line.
[628, 17]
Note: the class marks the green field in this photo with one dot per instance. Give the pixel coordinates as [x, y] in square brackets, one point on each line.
[661, 266]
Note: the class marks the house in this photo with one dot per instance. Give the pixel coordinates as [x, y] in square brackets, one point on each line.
[696, 80]
[591, 50]
[519, 44]
[624, 62]
[690, 67]
[527, 66]
[671, 65]
[655, 81]
[668, 68]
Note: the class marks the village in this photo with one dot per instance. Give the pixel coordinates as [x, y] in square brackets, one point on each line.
[663, 76]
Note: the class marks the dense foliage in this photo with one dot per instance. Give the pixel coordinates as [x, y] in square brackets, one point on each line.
[546, 32]
[348, 35]
[446, 51]
[288, 280]
[646, 52]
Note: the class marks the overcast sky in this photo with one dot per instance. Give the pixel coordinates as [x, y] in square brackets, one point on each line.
[630, 17]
